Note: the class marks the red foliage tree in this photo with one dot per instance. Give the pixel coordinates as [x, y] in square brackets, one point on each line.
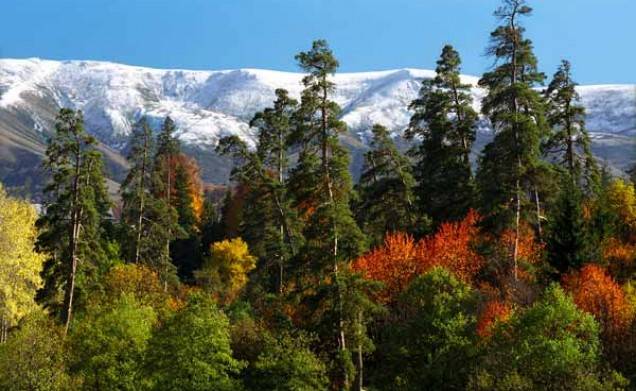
[452, 248]
[494, 311]
[401, 258]
[395, 263]
[594, 291]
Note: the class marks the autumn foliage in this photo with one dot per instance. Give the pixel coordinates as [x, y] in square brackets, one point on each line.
[401, 258]
[494, 311]
[192, 170]
[594, 291]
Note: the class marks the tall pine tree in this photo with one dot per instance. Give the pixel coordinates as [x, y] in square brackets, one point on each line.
[569, 141]
[509, 168]
[72, 228]
[270, 225]
[163, 184]
[445, 122]
[568, 242]
[385, 189]
[331, 233]
[136, 193]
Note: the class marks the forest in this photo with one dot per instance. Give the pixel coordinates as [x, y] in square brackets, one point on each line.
[436, 270]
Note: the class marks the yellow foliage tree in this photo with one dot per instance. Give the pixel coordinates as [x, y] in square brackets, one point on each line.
[224, 273]
[20, 265]
[622, 198]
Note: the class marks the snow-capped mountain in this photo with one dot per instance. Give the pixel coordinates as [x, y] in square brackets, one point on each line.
[207, 105]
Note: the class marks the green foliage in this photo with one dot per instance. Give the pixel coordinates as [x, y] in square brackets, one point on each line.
[269, 225]
[568, 243]
[569, 140]
[34, 357]
[73, 229]
[510, 164]
[445, 122]
[165, 217]
[109, 344]
[191, 351]
[137, 198]
[321, 186]
[385, 189]
[435, 345]
[286, 364]
[552, 345]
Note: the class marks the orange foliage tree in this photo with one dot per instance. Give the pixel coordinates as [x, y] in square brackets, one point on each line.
[494, 311]
[594, 291]
[192, 170]
[401, 258]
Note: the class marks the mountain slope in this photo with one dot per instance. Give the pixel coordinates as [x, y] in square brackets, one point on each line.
[207, 105]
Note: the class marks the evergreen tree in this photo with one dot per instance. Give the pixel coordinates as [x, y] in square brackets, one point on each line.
[72, 229]
[332, 235]
[165, 215]
[510, 165]
[136, 194]
[269, 223]
[568, 243]
[385, 189]
[445, 122]
[184, 250]
[569, 140]
[208, 226]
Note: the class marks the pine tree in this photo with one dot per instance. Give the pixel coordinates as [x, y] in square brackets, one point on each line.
[510, 164]
[184, 250]
[568, 243]
[385, 189]
[332, 235]
[77, 207]
[445, 122]
[209, 226]
[569, 140]
[163, 176]
[269, 223]
[136, 190]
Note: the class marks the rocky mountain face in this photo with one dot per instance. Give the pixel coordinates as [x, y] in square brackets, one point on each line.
[207, 105]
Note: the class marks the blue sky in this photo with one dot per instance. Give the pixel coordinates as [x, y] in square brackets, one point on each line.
[598, 36]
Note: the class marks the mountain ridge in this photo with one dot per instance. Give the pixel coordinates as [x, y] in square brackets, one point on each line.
[209, 104]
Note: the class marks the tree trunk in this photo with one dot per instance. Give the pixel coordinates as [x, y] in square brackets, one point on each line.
[538, 205]
[342, 343]
[76, 215]
[360, 357]
[515, 130]
[142, 199]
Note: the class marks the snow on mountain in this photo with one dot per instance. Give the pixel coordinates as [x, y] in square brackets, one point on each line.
[207, 105]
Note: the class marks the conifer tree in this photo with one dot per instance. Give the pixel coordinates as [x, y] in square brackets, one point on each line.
[445, 122]
[184, 250]
[135, 190]
[332, 235]
[569, 140]
[270, 225]
[385, 189]
[208, 226]
[76, 209]
[568, 243]
[510, 164]
[163, 177]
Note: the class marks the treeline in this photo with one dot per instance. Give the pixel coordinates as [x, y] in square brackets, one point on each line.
[426, 274]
